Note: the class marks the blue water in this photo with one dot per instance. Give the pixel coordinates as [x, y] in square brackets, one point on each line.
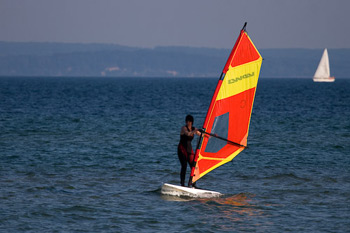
[90, 155]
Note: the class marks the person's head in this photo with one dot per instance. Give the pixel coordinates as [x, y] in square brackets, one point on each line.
[189, 119]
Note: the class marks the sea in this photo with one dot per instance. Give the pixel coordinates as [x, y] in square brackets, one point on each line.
[90, 154]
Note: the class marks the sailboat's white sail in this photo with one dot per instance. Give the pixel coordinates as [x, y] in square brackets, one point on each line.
[322, 73]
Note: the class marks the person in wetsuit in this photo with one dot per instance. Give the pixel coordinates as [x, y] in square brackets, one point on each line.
[184, 149]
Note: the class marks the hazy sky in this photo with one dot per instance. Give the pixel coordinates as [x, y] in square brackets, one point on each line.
[200, 23]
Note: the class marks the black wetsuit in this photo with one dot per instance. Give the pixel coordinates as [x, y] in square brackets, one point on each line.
[185, 152]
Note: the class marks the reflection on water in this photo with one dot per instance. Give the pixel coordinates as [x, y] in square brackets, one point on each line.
[242, 204]
[231, 211]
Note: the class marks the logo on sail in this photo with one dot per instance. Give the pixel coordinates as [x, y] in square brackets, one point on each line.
[233, 80]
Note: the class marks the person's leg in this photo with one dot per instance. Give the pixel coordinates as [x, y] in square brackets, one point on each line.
[183, 161]
[191, 163]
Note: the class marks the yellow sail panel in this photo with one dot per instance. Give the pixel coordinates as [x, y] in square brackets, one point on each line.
[239, 79]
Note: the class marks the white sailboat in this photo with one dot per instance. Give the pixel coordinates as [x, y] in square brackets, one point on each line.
[322, 73]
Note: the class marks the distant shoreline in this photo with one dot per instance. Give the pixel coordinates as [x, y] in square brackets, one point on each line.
[108, 60]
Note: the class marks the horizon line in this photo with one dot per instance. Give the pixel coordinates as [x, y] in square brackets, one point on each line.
[154, 47]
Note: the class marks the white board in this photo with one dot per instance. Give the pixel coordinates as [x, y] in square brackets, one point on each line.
[180, 191]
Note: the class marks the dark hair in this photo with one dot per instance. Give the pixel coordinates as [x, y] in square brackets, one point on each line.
[189, 118]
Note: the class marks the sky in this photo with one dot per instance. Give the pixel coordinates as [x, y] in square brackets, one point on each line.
[198, 23]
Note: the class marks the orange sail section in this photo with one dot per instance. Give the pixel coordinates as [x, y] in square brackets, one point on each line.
[226, 126]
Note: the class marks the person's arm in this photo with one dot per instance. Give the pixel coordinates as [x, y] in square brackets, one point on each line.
[184, 131]
[196, 131]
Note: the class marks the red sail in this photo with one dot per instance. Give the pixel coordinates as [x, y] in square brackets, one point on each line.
[226, 125]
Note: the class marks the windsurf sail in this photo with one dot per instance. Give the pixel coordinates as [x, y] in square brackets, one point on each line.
[225, 129]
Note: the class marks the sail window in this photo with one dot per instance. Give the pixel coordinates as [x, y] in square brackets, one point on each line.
[220, 128]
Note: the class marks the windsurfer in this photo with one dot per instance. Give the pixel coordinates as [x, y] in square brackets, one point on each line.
[184, 149]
